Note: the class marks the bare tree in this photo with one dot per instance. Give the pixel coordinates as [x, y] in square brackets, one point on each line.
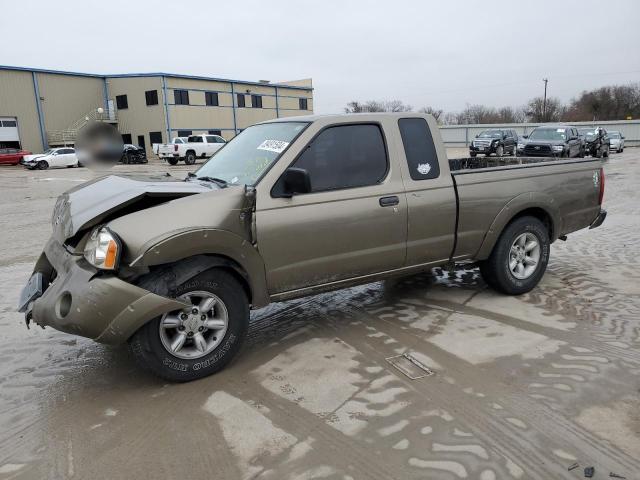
[538, 111]
[377, 106]
[432, 111]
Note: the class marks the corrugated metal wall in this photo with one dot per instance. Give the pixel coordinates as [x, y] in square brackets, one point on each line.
[17, 99]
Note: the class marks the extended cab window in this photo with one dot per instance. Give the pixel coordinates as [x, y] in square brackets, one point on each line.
[344, 157]
[419, 148]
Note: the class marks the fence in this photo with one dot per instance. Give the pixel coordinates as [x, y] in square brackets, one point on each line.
[462, 135]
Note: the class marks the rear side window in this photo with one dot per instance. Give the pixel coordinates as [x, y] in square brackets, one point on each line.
[345, 157]
[419, 148]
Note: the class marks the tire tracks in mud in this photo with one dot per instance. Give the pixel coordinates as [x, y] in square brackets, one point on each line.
[543, 420]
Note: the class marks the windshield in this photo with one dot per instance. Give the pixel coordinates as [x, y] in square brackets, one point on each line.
[491, 134]
[49, 152]
[586, 131]
[549, 134]
[614, 135]
[245, 158]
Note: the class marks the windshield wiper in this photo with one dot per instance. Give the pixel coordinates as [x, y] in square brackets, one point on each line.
[221, 183]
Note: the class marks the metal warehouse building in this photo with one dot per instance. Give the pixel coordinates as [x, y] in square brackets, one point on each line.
[42, 108]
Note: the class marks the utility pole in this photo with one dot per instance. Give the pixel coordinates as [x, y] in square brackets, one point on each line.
[544, 101]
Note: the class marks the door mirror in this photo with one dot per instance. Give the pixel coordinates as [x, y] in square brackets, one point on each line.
[622, 137]
[504, 137]
[296, 180]
[525, 136]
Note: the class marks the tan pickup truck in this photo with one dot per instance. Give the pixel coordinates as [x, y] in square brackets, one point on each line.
[290, 208]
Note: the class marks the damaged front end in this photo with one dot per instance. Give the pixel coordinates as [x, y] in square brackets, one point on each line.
[79, 299]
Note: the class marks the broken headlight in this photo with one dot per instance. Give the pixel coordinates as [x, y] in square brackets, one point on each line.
[103, 248]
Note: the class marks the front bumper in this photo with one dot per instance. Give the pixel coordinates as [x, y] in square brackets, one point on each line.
[486, 150]
[85, 301]
[599, 219]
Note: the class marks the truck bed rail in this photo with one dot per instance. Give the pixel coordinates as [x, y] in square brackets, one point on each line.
[460, 165]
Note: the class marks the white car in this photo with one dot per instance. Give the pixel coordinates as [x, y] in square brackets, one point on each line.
[53, 158]
[616, 141]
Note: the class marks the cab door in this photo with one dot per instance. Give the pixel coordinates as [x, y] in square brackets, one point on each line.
[351, 224]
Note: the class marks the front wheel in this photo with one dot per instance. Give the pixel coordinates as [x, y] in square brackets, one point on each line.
[42, 165]
[201, 339]
[519, 258]
[499, 151]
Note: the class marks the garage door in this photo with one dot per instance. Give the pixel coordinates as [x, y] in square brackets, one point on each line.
[9, 136]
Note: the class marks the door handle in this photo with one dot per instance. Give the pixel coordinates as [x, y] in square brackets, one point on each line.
[389, 201]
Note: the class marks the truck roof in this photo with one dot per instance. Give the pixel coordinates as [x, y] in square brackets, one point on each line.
[346, 116]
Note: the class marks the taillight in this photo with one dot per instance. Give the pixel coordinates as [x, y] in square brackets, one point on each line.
[601, 193]
[175, 147]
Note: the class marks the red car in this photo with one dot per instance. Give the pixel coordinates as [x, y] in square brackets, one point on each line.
[11, 156]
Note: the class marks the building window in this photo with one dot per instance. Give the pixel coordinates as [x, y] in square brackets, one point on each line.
[303, 104]
[240, 98]
[181, 97]
[256, 101]
[155, 137]
[214, 132]
[121, 102]
[152, 97]
[184, 133]
[211, 98]
[126, 138]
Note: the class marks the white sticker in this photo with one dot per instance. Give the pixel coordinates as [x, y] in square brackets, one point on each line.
[424, 168]
[276, 146]
[561, 130]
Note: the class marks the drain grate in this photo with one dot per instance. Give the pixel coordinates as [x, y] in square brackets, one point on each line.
[410, 366]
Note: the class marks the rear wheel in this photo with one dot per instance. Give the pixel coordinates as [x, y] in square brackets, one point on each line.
[190, 158]
[519, 258]
[201, 339]
[172, 161]
[42, 165]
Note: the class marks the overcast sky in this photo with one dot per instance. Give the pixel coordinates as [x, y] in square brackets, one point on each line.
[445, 53]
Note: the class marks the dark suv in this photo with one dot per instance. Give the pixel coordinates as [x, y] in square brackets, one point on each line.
[495, 140]
[552, 141]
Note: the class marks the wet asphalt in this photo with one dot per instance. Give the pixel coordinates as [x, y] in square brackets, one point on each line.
[522, 387]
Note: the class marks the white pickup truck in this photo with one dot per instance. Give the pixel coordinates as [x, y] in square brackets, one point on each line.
[155, 147]
[197, 146]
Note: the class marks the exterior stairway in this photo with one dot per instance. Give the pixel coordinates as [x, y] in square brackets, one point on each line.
[68, 135]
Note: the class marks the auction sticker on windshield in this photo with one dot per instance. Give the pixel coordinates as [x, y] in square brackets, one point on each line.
[276, 146]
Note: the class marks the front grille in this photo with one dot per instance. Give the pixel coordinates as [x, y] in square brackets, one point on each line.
[537, 150]
[481, 143]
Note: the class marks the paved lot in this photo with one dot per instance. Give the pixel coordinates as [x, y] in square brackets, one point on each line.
[523, 387]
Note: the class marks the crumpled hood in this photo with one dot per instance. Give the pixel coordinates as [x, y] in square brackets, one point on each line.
[90, 203]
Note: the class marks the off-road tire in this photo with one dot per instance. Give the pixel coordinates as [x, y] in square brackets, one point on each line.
[172, 161]
[495, 270]
[190, 158]
[42, 165]
[146, 346]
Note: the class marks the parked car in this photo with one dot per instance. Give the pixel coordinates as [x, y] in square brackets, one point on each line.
[173, 267]
[133, 154]
[53, 158]
[596, 141]
[498, 141]
[12, 156]
[156, 146]
[616, 141]
[197, 146]
[552, 141]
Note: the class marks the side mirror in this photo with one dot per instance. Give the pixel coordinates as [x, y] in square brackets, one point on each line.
[504, 137]
[525, 136]
[622, 137]
[296, 180]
